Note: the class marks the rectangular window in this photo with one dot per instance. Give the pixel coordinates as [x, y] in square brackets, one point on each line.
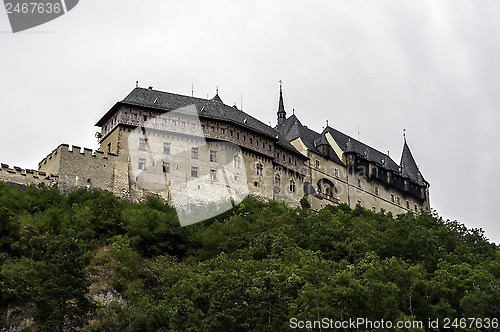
[277, 180]
[251, 140]
[222, 131]
[231, 133]
[398, 200]
[174, 123]
[392, 198]
[183, 124]
[212, 129]
[407, 204]
[237, 161]
[259, 168]
[166, 167]
[376, 191]
[213, 156]
[134, 116]
[125, 115]
[213, 174]
[237, 135]
[336, 172]
[142, 144]
[193, 126]
[194, 171]
[317, 163]
[166, 148]
[292, 186]
[164, 121]
[194, 153]
[142, 164]
[145, 118]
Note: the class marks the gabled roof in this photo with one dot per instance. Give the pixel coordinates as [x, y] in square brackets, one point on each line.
[349, 144]
[217, 98]
[409, 168]
[207, 108]
[293, 129]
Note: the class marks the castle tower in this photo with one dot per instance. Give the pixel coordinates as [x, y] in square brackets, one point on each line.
[281, 109]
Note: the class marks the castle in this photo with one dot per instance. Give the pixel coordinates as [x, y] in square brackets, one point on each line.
[188, 150]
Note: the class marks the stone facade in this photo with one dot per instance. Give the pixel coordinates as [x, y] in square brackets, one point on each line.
[186, 149]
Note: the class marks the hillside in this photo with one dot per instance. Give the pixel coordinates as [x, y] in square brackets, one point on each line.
[254, 268]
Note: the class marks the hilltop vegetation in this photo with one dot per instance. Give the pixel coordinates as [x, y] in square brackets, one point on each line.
[252, 268]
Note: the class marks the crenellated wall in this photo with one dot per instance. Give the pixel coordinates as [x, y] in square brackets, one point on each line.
[25, 177]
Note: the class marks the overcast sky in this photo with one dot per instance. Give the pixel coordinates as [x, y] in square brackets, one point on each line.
[370, 67]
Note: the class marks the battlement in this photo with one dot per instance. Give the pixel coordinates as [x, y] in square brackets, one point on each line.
[73, 149]
[6, 169]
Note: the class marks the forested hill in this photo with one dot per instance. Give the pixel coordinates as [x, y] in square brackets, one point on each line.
[251, 269]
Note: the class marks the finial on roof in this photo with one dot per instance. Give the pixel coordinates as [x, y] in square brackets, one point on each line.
[136, 84]
[281, 108]
[404, 134]
[293, 111]
[217, 90]
[327, 123]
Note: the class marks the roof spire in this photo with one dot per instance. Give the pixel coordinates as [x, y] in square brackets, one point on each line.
[327, 123]
[216, 89]
[281, 107]
[404, 134]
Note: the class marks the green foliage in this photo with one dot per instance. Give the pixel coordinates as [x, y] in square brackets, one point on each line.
[251, 268]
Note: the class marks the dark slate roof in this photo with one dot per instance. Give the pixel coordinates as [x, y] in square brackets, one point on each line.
[217, 98]
[409, 168]
[349, 144]
[288, 124]
[214, 109]
[207, 108]
[293, 129]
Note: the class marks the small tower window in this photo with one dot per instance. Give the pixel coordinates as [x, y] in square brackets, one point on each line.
[259, 168]
[317, 163]
[194, 171]
[292, 186]
[237, 161]
[376, 191]
[213, 156]
[194, 153]
[277, 180]
[166, 167]
[166, 148]
[213, 174]
[142, 144]
[142, 164]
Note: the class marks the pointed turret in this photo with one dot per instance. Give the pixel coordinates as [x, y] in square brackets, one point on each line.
[409, 168]
[281, 109]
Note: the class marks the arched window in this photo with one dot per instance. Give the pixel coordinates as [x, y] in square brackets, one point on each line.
[292, 186]
[259, 168]
[277, 180]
